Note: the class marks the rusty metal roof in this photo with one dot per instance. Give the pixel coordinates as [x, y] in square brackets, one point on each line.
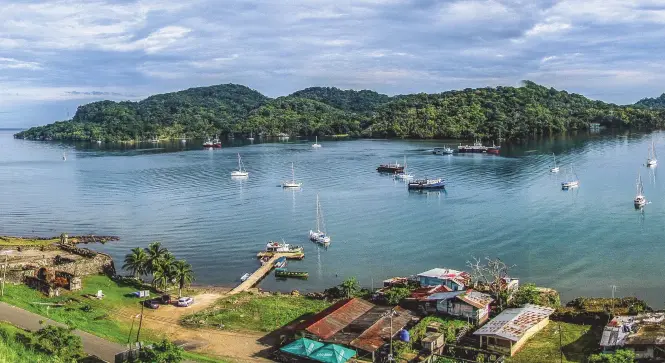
[376, 336]
[475, 298]
[423, 292]
[335, 318]
[511, 324]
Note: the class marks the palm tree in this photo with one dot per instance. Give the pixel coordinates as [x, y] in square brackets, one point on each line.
[163, 270]
[136, 262]
[155, 252]
[183, 274]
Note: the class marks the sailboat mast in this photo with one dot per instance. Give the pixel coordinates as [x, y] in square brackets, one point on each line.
[318, 225]
[293, 174]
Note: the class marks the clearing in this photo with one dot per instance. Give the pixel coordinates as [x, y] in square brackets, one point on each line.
[577, 341]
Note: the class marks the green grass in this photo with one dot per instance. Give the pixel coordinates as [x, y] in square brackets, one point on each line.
[99, 320]
[14, 351]
[203, 359]
[578, 342]
[250, 312]
[18, 241]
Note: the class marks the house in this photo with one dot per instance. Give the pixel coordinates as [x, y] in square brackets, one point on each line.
[453, 279]
[644, 334]
[469, 304]
[508, 331]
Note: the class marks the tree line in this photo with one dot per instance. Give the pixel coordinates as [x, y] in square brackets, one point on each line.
[487, 113]
[161, 264]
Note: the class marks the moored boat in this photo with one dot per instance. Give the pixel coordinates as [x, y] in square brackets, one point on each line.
[404, 175]
[494, 149]
[241, 172]
[244, 277]
[639, 200]
[293, 183]
[445, 150]
[652, 161]
[280, 262]
[319, 236]
[282, 272]
[390, 168]
[273, 246]
[571, 180]
[316, 143]
[423, 184]
[477, 147]
[555, 168]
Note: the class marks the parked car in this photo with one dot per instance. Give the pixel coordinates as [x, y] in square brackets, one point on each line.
[185, 301]
[151, 304]
[164, 299]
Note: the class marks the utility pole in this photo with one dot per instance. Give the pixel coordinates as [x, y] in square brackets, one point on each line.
[4, 275]
[560, 344]
[138, 333]
[614, 289]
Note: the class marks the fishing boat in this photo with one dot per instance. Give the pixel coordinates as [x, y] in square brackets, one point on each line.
[390, 168]
[292, 183]
[652, 161]
[273, 246]
[555, 168]
[244, 277]
[208, 143]
[316, 143]
[426, 184]
[284, 273]
[445, 150]
[280, 262]
[571, 180]
[494, 149]
[319, 236]
[404, 175]
[216, 143]
[477, 147]
[241, 170]
[639, 200]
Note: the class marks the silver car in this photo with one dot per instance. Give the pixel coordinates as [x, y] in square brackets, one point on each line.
[185, 301]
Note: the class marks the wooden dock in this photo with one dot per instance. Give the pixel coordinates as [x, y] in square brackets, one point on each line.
[255, 277]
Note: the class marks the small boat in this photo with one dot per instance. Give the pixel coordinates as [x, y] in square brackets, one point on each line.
[554, 169]
[273, 246]
[251, 136]
[652, 161]
[445, 150]
[280, 262]
[264, 260]
[404, 175]
[639, 200]
[319, 236]
[283, 136]
[241, 170]
[282, 272]
[154, 140]
[316, 143]
[424, 184]
[208, 143]
[99, 142]
[216, 143]
[571, 182]
[64, 156]
[390, 168]
[494, 149]
[183, 140]
[292, 183]
[244, 277]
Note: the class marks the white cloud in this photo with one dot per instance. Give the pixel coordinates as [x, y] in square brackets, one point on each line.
[12, 63]
[547, 28]
[548, 58]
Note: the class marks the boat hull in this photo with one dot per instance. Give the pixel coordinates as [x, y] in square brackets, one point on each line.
[427, 186]
[569, 185]
[284, 273]
[239, 173]
[390, 169]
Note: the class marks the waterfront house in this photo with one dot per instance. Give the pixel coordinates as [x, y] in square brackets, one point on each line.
[468, 304]
[453, 279]
[644, 334]
[508, 331]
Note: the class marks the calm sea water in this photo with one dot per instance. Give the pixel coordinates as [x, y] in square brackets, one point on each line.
[579, 242]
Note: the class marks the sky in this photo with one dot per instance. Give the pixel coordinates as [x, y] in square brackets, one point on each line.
[56, 55]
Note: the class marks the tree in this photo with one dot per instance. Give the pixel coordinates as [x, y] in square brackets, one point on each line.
[163, 271]
[59, 342]
[162, 352]
[350, 287]
[620, 356]
[492, 274]
[136, 262]
[396, 294]
[155, 253]
[183, 274]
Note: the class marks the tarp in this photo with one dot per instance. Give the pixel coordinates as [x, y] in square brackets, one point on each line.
[332, 353]
[302, 347]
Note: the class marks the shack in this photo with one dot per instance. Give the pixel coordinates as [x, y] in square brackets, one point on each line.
[453, 279]
[644, 334]
[508, 331]
[470, 304]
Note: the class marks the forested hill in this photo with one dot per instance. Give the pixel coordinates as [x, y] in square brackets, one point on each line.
[654, 103]
[488, 113]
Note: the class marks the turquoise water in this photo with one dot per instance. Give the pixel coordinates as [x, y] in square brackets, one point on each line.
[580, 241]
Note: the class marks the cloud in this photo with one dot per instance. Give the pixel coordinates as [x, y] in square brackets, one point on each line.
[80, 51]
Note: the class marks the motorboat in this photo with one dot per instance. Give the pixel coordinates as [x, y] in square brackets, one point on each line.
[274, 246]
[425, 184]
[445, 150]
[244, 277]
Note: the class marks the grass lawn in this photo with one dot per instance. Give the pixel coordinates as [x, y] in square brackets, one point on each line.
[13, 351]
[578, 342]
[18, 241]
[256, 312]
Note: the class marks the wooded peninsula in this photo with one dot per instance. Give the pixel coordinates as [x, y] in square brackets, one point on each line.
[485, 113]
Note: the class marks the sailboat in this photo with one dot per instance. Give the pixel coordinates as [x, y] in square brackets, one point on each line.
[316, 143]
[403, 174]
[318, 236]
[64, 156]
[571, 180]
[251, 136]
[241, 171]
[292, 183]
[639, 200]
[183, 139]
[652, 161]
[555, 169]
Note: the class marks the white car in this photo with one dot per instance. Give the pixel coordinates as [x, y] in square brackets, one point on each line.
[185, 301]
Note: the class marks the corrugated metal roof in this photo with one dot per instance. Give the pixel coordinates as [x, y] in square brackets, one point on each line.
[377, 335]
[444, 273]
[423, 292]
[512, 323]
[476, 298]
[444, 295]
[333, 319]
[643, 329]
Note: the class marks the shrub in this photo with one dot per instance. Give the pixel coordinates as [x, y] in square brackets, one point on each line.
[620, 356]
[59, 342]
[163, 352]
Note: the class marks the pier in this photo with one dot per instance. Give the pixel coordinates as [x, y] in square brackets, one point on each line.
[257, 275]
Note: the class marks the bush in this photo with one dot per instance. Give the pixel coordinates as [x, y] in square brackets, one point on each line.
[59, 342]
[395, 294]
[530, 294]
[620, 356]
[163, 352]
[450, 328]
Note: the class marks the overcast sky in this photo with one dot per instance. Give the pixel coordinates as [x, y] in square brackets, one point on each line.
[56, 55]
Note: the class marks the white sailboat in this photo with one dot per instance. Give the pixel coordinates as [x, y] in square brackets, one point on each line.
[251, 136]
[404, 174]
[652, 161]
[241, 170]
[319, 236]
[292, 183]
[64, 156]
[183, 139]
[639, 200]
[554, 169]
[316, 143]
[571, 180]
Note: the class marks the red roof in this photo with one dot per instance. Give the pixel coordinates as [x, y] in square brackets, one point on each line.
[336, 317]
[376, 336]
[423, 292]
